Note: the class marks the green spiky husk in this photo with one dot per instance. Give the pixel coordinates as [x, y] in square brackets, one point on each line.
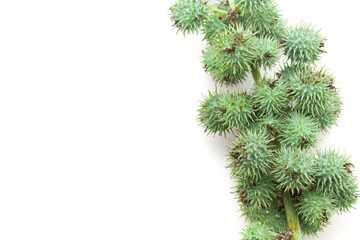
[333, 171]
[258, 232]
[229, 56]
[294, 170]
[251, 6]
[269, 53]
[250, 155]
[256, 193]
[221, 72]
[270, 97]
[271, 124]
[315, 209]
[346, 199]
[303, 44]
[264, 21]
[273, 217]
[238, 110]
[189, 15]
[299, 130]
[210, 115]
[213, 26]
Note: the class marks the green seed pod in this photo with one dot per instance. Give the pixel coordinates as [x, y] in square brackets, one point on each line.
[270, 124]
[310, 230]
[347, 198]
[189, 15]
[278, 31]
[303, 44]
[258, 232]
[312, 98]
[294, 170]
[230, 54]
[307, 74]
[212, 27]
[256, 194]
[299, 131]
[222, 74]
[331, 116]
[268, 53]
[264, 20]
[238, 111]
[273, 217]
[251, 6]
[333, 171]
[210, 114]
[270, 97]
[315, 209]
[313, 91]
[250, 155]
[289, 72]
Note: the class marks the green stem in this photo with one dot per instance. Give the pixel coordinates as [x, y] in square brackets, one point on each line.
[218, 10]
[256, 75]
[292, 216]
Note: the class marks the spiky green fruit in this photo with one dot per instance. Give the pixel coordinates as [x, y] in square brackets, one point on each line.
[299, 72]
[303, 44]
[258, 232]
[333, 171]
[331, 116]
[313, 98]
[251, 6]
[294, 170]
[270, 97]
[315, 209]
[278, 31]
[268, 53]
[210, 115]
[264, 20]
[189, 15]
[299, 130]
[313, 91]
[273, 217]
[250, 155]
[289, 72]
[270, 124]
[237, 109]
[230, 55]
[213, 26]
[310, 230]
[224, 74]
[256, 193]
[347, 198]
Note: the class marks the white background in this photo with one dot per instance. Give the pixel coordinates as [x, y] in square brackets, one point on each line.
[98, 131]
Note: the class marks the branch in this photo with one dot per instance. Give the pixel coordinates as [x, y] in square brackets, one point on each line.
[218, 10]
[292, 216]
[256, 75]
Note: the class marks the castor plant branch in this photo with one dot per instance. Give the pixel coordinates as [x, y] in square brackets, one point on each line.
[285, 186]
[292, 216]
[218, 10]
[256, 75]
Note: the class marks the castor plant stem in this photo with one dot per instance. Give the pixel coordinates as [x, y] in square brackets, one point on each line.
[218, 10]
[292, 216]
[256, 75]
